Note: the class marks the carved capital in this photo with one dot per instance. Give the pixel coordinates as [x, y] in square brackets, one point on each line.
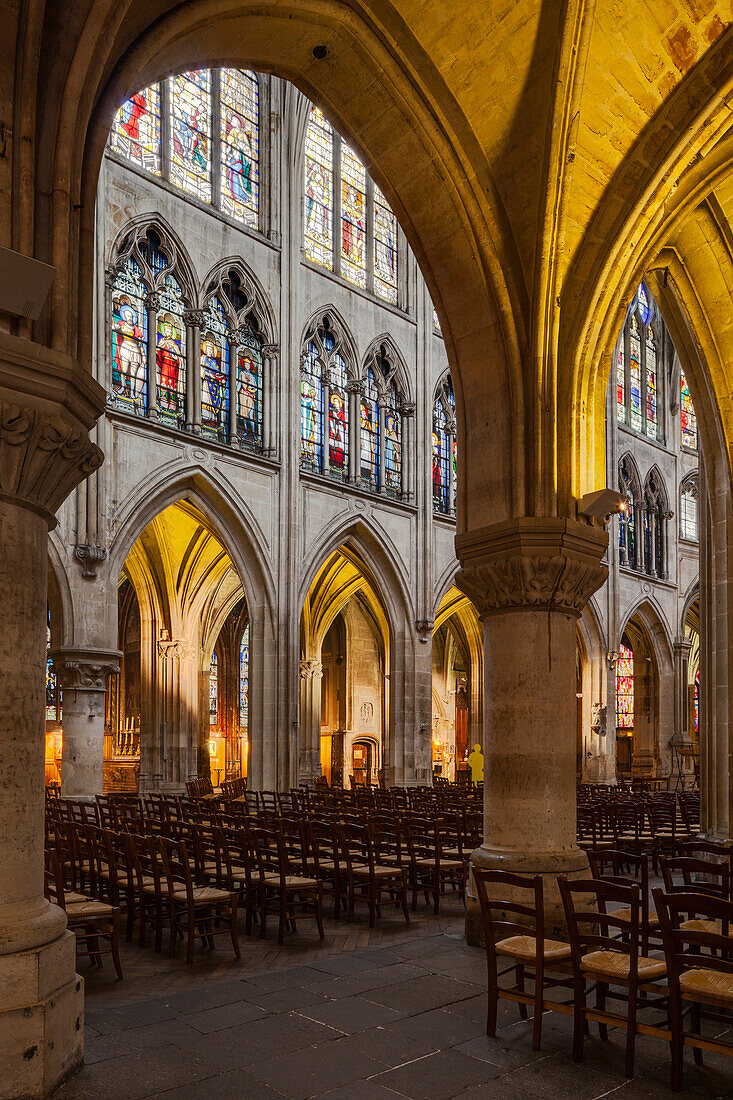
[85, 669]
[532, 564]
[194, 317]
[424, 629]
[42, 457]
[355, 385]
[310, 669]
[407, 408]
[152, 299]
[269, 351]
[90, 557]
[176, 649]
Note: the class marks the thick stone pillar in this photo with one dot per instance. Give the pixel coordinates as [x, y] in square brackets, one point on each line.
[43, 455]
[681, 738]
[529, 579]
[83, 674]
[311, 675]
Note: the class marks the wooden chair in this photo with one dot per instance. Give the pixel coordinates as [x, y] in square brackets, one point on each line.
[194, 909]
[696, 877]
[366, 877]
[624, 869]
[90, 919]
[430, 871]
[718, 850]
[282, 887]
[500, 895]
[607, 960]
[703, 981]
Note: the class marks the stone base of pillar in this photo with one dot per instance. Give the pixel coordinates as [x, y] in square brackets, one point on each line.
[41, 1019]
[573, 863]
[309, 768]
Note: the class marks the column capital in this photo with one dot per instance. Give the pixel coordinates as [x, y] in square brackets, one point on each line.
[682, 646]
[270, 351]
[85, 669]
[407, 408]
[42, 458]
[355, 385]
[310, 669]
[152, 299]
[193, 317]
[176, 649]
[532, 564]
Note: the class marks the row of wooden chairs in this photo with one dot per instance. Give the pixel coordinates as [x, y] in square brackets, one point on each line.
[614, 950]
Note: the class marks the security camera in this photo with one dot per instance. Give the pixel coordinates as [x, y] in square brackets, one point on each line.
[602, 504]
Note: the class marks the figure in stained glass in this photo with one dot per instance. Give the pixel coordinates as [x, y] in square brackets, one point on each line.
[128, 349]
[625, 689]
[352, 228]
[214, 382]
[392, 455]
[437, 471]
[188, 141]
[130, 113]
[687, 415]
[369, 435]
[337, 432]
[238, 158]
[248, 384]
[169, 361]
[317, 204]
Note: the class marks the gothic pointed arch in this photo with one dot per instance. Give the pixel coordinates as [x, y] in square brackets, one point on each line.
[328, 369]
[245, 299]
[629, 483]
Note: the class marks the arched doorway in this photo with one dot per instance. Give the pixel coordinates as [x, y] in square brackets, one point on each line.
[176, 706]
[344, 675]
[637, 704]
[457, 684]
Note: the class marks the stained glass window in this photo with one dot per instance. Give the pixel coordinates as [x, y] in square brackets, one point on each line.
[689, 420]
[214, 372]
[311, 410]
[625, 689]
[136, 129]
[191, 132]
[53, 691]
[244, 681]
[392, 442]
[319, 190]
[635, 374]
[696, 697]
[385, 250]
[249, 388]
[369, 434]
[688, 509]
[444, 448]
[436, 321]
[651, 384]
[338, 416]
[240, 144]
[170, 354]
[129, 340]
[353, 217]
[621, 382]
[213, 691]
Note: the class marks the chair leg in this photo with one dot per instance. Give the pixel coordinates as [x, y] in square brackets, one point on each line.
[520, 986]
[539, 994]
[191, 937]
[578, 1018]
[233, 926]
[281, 925]
[601, 1006]
[492, 1000]
[404, 898]
[695, 1014]
[114, 944]
[631, 1034]
[319, 919]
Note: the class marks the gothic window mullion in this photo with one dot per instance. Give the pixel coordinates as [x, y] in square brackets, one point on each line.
[165, 129]
[369, 241]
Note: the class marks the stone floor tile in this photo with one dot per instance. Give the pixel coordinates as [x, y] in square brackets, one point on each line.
[352, 1014]
[361, 1090]
[225, 1016]
[268, 1037]
[112, 1020]
[558, 1077]
[364, 980]
[313, 1072]
[99, 1048]
[422, 994]
[391, 1047]
[435, 1077]
[439, 1027]
[283, 978]
[203, 997]
[225, 1086]
[297, 998]
[135, 1075]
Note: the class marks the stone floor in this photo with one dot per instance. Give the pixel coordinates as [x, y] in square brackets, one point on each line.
[395, 1012]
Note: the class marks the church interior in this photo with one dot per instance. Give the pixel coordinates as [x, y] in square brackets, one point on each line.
[365, 495]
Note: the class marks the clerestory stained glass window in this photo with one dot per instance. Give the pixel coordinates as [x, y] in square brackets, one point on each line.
[338, 417]
[651, 384]
[214, 691]
[620, 383]
[392, 442]
[687, 412]
[244, 682]
[239, 145]
[637, 371]
[635, 387]
[135, 131]
[195, 100]
[625, 689]
[319, 190]
[215, 372]
[129, 340]
[688, 508]
[190, 148]
[353, 217]
[385, 250]
[444, 448]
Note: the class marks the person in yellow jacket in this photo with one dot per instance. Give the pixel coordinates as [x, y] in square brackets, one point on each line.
[476, 764]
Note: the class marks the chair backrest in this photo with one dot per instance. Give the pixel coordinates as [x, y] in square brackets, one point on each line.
[597, 927]
[503, 895]
[355, 844]
[690, 948]
[699, 876]
[623, 868]
[176, 866]
[54, 878]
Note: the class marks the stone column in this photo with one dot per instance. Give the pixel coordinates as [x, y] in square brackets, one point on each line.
[269, 389]
[381, 406]
[354, 388]
[234, 339]
[194, 319]
[83, 674]
[681, 737]
[43, 455]
[529, 579]
[311, 674]
[152, 305]
[407, 412]
[326, 381]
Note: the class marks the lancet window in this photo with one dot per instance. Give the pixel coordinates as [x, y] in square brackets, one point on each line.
[628, 519]
[200, 131]
[625, 688]
[244, 682]
[214, 691]
[384, 423]
[148, 340]
[324, 407]
[688, 507]
[656, 514]
[687, 414]
[637, 368]
[348, 225]
[444, 448]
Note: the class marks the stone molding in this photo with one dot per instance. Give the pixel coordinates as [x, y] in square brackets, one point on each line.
[85, 669]
[90, 557]
[310, 669]
[42, 457]
[176, 649]
[530, 564]
[424, 629]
